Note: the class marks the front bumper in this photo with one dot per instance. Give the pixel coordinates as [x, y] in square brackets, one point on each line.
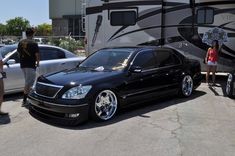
[70, 113]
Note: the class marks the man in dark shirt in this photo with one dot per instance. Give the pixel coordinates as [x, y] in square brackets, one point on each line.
[29, 60]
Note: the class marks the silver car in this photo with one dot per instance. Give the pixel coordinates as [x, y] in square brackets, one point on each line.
[52, 59]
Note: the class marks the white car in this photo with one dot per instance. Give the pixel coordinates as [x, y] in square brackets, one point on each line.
[52, 59]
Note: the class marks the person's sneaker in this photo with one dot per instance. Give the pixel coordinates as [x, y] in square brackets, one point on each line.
[3, 113]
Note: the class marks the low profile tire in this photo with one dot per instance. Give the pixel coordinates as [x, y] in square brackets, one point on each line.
[104, 106]
[229, 86]
[186, 87]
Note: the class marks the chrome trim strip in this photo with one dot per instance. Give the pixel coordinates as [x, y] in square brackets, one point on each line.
[159, 68]
[60, 105]
[50, 85]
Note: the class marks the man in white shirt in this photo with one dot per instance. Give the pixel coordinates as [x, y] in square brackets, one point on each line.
[1, 86]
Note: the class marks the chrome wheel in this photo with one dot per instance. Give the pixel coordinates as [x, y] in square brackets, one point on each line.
[106, 105]
[187, 85]
[228, 86]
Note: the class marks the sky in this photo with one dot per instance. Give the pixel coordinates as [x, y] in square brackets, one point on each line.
[35, 11]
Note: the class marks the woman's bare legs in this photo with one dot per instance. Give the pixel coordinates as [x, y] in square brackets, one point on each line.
[208, 73]
[213, 74]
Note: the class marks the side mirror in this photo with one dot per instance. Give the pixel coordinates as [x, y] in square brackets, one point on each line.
[11, 61]
[135, 69]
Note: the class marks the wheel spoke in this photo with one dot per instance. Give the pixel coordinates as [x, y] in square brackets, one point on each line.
[99, 113]
[99, 104]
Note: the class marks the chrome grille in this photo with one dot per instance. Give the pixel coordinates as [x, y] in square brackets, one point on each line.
[47, 90]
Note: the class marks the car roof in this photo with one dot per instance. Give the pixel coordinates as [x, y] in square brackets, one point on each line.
[40, 45]
[137, 48]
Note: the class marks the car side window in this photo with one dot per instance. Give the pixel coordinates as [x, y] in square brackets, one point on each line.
[51, 54]
[166, 58]
[145, 60]
[15, 57]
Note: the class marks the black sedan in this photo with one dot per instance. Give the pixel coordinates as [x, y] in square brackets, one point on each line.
[113, 78]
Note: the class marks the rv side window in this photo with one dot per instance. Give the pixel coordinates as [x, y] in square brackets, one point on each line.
[123, 18]
[205, 16]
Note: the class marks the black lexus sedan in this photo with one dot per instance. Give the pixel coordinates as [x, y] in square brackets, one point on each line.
[110, 79]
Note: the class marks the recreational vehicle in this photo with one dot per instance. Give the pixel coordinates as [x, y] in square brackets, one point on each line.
[179, 24]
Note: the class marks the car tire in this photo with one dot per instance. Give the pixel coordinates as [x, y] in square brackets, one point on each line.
[186, 86]
[229, 86]
[104, 106]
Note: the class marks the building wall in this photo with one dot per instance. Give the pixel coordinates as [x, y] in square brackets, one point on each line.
[59, 8]
[64, 15]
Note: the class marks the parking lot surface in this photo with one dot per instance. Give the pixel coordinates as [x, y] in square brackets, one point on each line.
[202, 125]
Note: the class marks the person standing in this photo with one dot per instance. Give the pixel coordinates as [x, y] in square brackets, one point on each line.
[2, 75]
[29, 61]
[212, 60]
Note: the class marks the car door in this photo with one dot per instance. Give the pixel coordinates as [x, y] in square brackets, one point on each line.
[52, 60]
[15, 78]
[169, 69]
[141, 86]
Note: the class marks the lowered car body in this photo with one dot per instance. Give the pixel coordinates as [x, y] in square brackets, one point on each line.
[110, 79]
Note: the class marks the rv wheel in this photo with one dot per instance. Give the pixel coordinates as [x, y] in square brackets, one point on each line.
[229, 86]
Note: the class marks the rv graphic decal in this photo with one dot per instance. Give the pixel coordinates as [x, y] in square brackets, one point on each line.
[97, 27]
[160, 22]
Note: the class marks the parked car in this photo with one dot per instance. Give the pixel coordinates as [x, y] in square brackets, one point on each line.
[230, 87]
[110, 79]
[52, 59]
[40, 40]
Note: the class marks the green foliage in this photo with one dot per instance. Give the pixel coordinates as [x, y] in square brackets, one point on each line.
[15, 26]
[44, 30]
[70, 44]
[3, 30]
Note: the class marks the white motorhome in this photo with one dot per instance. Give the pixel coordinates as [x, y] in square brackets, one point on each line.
[179, 24]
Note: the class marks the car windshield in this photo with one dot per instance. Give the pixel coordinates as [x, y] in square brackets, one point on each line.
[6, 49]
[107, 60]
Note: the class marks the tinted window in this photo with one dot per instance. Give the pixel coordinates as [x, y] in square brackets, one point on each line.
[145, 60]
[107, 59]
[16, 57]
[51, 54]
[166, 58]
[6, 49]
[205, 16]
[123, 18]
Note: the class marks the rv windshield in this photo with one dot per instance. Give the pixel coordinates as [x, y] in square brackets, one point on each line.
[107, 60]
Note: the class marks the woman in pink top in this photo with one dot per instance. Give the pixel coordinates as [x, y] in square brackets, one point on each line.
[212, 60]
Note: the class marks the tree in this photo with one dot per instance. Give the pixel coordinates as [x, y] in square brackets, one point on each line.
[2, 29]
[15, 26]
[44, 30]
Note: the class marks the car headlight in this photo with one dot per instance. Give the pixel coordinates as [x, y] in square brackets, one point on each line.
[78, 92]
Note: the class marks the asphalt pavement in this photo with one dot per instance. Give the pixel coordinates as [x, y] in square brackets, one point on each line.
[202, 125]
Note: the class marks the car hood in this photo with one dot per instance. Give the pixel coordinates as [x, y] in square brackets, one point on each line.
[76, 76]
